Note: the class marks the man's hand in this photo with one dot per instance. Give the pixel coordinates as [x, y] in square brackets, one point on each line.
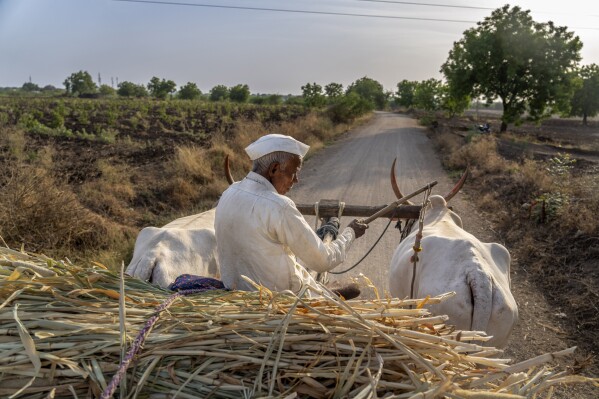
[358, 227]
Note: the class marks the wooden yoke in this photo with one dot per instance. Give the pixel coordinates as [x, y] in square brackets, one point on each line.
[330, 208]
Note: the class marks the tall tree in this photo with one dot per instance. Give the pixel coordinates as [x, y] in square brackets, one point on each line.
[80, 84]
[333, 90]
[370, 90]
[161, 88]
[585, 101]
[239, 93]
[312, 94]
[428, 95]
[189, 91]
[219, 93]
[404, 96]
[509, 56]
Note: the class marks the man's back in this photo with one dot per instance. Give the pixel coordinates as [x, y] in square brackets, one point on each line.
[248, 217]
[260, 232]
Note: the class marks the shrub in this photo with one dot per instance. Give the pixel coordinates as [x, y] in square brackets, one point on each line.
[111, 193]
[42, 213]
[191, 163]
[347, 108]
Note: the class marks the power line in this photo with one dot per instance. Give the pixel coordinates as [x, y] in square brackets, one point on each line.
[296, 11]
[427, 4]
[334, 13]
[465, 7]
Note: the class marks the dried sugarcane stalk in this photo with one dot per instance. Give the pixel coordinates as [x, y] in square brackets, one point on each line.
[61, 332]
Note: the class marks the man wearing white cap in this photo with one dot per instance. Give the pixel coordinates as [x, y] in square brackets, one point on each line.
[260, 231]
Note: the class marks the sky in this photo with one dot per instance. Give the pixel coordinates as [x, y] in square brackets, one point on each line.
[270, 51]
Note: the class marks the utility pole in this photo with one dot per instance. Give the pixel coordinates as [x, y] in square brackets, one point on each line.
[99, 79]
[112, 82]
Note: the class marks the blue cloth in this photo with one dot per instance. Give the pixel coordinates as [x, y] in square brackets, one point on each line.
[192, 282]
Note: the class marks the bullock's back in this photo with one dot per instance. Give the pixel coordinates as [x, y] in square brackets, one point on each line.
[204, 220]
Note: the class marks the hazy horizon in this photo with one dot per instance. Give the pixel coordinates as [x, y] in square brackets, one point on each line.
[270, 51]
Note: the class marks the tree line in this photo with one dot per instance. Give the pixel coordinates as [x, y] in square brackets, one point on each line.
[530, 68]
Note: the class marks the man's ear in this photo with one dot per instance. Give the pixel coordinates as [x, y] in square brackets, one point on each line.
[273, 168]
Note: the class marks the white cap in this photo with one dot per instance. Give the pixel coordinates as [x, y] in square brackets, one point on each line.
[276, 142]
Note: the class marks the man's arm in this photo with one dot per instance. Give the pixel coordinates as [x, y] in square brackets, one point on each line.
[295, 232]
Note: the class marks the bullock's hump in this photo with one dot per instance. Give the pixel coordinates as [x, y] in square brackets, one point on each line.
[437, 202]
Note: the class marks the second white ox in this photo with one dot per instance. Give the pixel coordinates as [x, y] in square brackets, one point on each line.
[183, 246]
[454, 260]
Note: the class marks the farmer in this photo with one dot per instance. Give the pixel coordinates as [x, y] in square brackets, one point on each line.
[260, 232]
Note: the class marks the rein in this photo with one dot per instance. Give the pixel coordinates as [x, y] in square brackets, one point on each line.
[417, 247]
[367, 253]
[406, 231]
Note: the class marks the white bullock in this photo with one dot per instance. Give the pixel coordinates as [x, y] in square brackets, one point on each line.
[454, 260]
[183, 246]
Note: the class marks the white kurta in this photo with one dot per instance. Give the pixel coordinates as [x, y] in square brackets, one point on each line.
[259, 234]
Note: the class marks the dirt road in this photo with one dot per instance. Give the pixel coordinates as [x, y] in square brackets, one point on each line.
[356, 169]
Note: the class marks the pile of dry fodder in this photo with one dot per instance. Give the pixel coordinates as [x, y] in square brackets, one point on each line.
[62, 327]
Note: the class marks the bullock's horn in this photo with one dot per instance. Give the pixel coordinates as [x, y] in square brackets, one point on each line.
[228, 170]
[457, 187]
[394, 184]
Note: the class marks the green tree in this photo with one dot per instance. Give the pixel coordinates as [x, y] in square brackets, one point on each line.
[80, 84]
[509, 56]
[451, 104]
[404, 96]
[585, 101]
[129, 89]
[28, 86]
[370, 90]
[161, 88]
[427, 95]
[190, 91]
[107, 91]
[219, 93]
[333, 90]
[312, 95]
[239, 93]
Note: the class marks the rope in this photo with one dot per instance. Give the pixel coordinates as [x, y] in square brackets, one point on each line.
[341, 208]
[369, 251]
[417, 247]
[316, 205]
[140, 339]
